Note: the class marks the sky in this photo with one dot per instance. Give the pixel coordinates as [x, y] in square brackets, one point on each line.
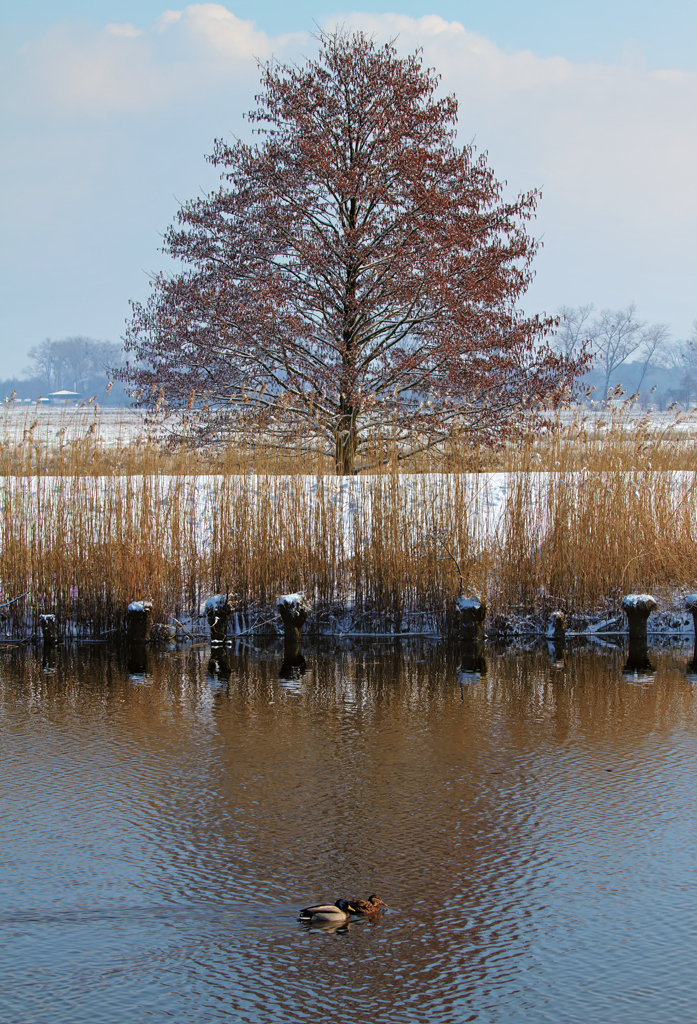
[108, 108]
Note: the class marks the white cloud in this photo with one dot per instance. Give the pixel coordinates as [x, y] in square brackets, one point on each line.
[127, 30]
[124, 69]
[219, 31]
[614, 147]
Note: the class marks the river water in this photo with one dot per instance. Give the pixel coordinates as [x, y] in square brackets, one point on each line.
[533, 830]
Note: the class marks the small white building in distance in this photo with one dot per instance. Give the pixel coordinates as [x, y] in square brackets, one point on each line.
[65, 396]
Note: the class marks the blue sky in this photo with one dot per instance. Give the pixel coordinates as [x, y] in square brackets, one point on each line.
[108, 108]
[665, 33]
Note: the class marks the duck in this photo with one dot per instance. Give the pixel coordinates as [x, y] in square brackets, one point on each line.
[373, 905]
[331, 913]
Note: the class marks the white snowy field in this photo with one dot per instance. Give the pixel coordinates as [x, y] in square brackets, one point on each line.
[50, 424]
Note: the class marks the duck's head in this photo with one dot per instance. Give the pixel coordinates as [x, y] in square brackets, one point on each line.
[376, 901]
[345, 906]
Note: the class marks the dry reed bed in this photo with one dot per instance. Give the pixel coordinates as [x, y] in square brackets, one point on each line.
[571, 515]
[380, 547]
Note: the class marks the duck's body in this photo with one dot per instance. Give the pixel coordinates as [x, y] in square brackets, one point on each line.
[332, 913]
[373, 905]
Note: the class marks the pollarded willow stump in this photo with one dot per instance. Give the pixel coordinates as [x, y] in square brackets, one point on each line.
[139, 618]
[472, 614]
[637, 608]
[556, 637]
[556, 626]
[218, 611]
[293, 609]
[691, 606]
[49, 629]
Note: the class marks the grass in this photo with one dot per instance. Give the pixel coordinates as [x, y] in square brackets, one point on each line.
[595, 505]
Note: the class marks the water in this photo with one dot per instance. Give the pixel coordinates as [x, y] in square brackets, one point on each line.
[533, 832]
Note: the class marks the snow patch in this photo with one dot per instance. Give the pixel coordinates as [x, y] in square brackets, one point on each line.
[639, 601]
[293, 601]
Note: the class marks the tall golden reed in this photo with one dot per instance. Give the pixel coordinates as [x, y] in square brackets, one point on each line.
[594, 506]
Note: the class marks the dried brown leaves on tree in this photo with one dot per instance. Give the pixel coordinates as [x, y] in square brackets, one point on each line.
[355, 268]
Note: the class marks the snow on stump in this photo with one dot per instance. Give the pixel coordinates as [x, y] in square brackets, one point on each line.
[218, 611]
[49, 629]
[637, 608]
[293, 609]
[556, 626]
[138, 618]
[472, 614]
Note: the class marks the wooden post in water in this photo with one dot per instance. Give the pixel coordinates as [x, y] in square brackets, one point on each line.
[472, 614]
[556, 626]
[293, 609]
[637, 608]
[691, 606]
[49, 629]
[139, 617]
[556, 637]
[218, 611]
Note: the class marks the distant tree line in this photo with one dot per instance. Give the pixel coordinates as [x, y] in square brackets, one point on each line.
[71, 364]
[627, 352]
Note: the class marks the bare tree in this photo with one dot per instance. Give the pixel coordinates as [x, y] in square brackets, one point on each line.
[71, 363]
[615, 335]
[573, 331]
[654, 343]
[682, 357]
[355, 268]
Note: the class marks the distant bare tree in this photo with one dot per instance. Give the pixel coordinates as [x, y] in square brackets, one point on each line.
[682, 356]
[615, 335]
[654, 343]
[71, 363]
[573, 331]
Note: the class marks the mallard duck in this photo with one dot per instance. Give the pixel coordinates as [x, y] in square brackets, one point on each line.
[373, 905]
[333, 913]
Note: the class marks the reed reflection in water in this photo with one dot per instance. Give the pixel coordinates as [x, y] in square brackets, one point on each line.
[529, 819]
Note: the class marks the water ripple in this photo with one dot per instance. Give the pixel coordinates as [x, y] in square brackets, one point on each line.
[534, 835]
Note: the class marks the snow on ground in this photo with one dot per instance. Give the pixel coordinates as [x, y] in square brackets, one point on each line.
[70, 422]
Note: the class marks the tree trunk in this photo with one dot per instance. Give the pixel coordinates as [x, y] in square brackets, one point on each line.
[346, 441]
